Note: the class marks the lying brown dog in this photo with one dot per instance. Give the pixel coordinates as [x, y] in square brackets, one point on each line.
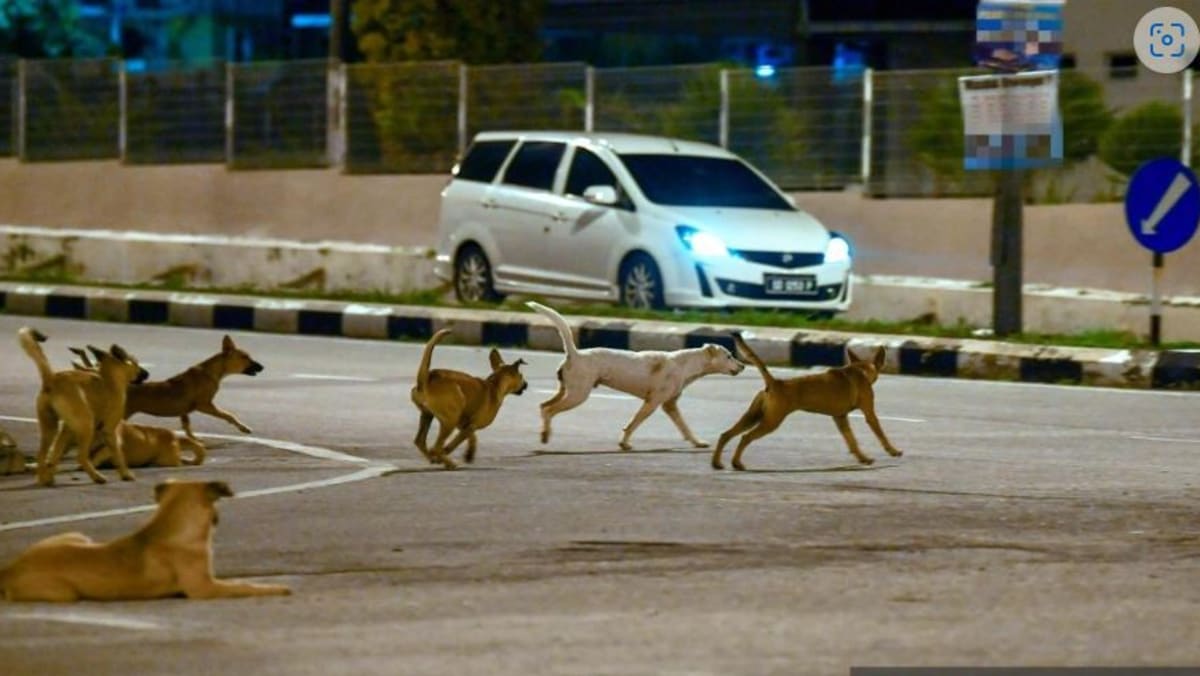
[145, 445]
[835, 393]
[72, 405]
[460, 401]
[194, 389]
[169, 556]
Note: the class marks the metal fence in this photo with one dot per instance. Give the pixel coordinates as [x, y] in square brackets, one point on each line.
[895, 133]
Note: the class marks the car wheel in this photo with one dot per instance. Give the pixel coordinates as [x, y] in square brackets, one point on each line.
[641, 283]
[473, 277]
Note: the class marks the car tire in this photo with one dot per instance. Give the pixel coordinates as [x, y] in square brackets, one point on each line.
[473, 282]
[640, 283]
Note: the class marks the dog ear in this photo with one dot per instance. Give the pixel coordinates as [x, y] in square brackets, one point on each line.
[97, 352]
[880, 353]
[495, 360]
[217, 489]
[519, 363]
[161, 489]
[119, 352]
[851, 357]
[227, 344]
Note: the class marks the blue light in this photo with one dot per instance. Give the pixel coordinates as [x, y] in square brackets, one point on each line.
[765, 70]
[310, 21]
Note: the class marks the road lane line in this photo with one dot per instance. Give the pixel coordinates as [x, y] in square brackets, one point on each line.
[1168, 440]
[857, 414]
[88, 618]
[370, 470]
[323, 376]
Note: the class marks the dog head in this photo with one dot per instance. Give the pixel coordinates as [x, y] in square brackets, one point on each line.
[237, 360]
[118, 362]
[182, 499]
[508, 375]
[870, 367]
[721, 360]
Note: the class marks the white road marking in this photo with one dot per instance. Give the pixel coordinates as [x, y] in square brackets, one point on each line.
[370, 470]
[857, 414]
[1168, 440]
[322, 376]
[90, 618]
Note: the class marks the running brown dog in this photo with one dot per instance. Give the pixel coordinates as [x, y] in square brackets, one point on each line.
[170, 556]
[194, 389]
[73, 405]
[460, 401]
[835, 393]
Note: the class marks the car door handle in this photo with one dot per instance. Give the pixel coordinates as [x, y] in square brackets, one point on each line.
[559, 217]
[488, 204]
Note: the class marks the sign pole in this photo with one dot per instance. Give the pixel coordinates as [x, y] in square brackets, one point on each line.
[1156, 301]
[1007, 229]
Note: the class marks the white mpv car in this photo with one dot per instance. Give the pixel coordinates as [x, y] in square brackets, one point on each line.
[646, 221]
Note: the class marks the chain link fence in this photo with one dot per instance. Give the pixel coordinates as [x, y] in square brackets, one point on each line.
[895, 133]
[68, 110]
[175, 115]
[279, 115]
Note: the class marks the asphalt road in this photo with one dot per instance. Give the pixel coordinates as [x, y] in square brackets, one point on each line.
[1025, 525]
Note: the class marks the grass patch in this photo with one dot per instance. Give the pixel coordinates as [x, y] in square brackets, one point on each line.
[924, 326]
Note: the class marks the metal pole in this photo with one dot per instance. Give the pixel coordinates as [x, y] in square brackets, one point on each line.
[230, 121]
[1007, 215]
[1186, 151]
[723, 115]
[868, 110]
[1156, 301]
[462, 108]
[123, 110]
[589, 106]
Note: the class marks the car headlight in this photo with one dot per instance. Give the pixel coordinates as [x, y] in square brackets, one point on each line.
[701, 243]
[837, 250]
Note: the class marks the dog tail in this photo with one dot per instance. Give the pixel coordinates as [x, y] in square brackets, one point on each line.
[427, 357]
[752, 358]
[29, 339]
[196, 448]
[564, 331]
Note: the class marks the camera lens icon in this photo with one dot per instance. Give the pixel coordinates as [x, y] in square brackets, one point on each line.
[1166, 40]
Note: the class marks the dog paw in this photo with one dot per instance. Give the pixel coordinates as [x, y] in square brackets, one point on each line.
[700, 443]
[739, 466]
[245, 430]
[894, 452]
[717, 465]
[866, 461]
[625, 446]
[128, 477]
[449, 464]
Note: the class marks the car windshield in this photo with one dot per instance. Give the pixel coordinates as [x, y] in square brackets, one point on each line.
[692, 181]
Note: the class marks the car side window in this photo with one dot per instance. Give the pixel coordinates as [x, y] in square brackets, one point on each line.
[535, 164]
[483, 159]
[587, 169]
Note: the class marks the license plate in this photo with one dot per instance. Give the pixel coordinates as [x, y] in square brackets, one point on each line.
[789, 285]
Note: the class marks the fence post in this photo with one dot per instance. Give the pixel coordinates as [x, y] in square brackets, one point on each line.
[122, 110]
[1186, 152]
[230, 122]
[334, 121]
[22, 105]
[589, 93]
[462, 108]
[868, 95]
[723, 115]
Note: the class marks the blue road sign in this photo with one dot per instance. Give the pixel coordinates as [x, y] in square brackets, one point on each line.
[1162, 205]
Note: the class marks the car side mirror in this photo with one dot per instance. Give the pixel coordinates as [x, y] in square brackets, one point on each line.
[601, 194]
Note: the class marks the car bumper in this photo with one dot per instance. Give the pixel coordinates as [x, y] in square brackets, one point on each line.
[734, 282]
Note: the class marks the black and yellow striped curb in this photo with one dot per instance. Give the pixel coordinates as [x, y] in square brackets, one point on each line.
[919, 356]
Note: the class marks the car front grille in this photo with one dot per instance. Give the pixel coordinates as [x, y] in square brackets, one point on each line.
[781, 259]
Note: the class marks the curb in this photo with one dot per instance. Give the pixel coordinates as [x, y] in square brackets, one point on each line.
[907, 355]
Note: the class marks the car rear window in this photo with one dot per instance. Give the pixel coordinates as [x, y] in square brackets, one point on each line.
[695, 181]
[535, 164]
[483, 160]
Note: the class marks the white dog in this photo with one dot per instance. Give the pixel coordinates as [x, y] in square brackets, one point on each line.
[656, 377]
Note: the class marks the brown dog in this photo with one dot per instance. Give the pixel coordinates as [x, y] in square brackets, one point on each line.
[72, 405]
[460, 401]
[194, 389]
[835, 393]
[145, 445]
[170, 556]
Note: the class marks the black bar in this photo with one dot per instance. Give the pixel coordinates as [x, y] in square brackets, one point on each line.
[1155, 318]
[1007, 215]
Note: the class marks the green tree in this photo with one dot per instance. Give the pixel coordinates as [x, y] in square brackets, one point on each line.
[39, 29]
[1153, 129]
[474, 31]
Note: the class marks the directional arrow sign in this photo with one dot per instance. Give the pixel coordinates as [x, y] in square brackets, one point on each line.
[1162, 205]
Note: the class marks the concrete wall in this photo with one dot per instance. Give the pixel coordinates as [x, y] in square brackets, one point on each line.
[1079, 245]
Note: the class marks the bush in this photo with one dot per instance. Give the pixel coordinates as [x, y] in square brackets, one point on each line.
[1151, 130]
